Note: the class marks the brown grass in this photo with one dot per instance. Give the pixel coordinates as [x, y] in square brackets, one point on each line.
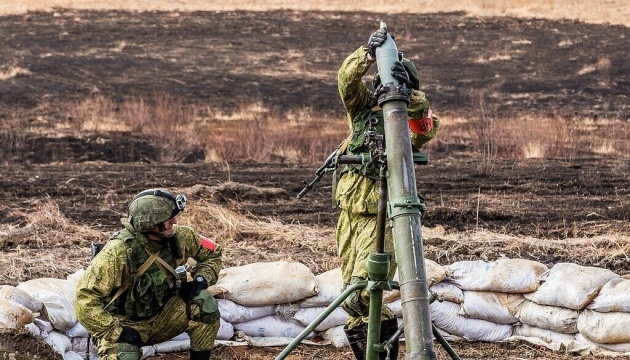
[596, 11]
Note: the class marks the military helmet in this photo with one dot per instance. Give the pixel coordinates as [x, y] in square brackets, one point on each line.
[412, 71]
[152, 207]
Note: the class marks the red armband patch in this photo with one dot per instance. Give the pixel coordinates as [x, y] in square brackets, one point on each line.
[422, 126]
[208, 243]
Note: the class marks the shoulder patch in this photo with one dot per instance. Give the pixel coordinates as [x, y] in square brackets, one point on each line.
[208, 243]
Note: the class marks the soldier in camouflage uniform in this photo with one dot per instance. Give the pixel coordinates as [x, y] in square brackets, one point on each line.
[131, 295]
[358, 189]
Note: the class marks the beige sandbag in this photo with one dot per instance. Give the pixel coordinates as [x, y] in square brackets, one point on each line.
[505, 275]
[268, 283]
[445, 316]
[306, 316]
[330, 285]
[549, 336]
[614, 296]
[553, 318]
[448, 292]
[491, 306]
[57, 295]
[570, 285]
[605, 328]
[618, 348]
[11, 293]
[13, 315]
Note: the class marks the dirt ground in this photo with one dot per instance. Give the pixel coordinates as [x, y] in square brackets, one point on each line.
[288, 60]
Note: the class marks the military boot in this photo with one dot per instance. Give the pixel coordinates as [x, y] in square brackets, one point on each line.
[200, 355]
[357, 337]
[388, 329]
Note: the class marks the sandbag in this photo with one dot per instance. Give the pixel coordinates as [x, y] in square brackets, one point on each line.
[271, 326]
[11, 293]
[337, 336]
[13, 315]
[44, 326]
[435, 274]
[570, 285]
[445, 316]
[395, 307]
[330, 285]
[59, 342]
[605, 328]
[261, 284]
[57, 295]
[613, 297]
[448, 292]
[548, 317]
[77, 331]
[505, 275]
[172, 346]
[553, 338]
[79, 344]
[307, 316]
[226, 331]
[491, 306]
[235, 313]
[620, 348]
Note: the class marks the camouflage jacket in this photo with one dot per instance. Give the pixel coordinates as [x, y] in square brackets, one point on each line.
[110, 270]
[357, 190]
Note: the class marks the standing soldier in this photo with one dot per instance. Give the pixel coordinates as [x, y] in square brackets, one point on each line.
[358, 189]
[131, 294]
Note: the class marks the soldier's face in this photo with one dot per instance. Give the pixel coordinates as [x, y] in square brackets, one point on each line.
[166, 229]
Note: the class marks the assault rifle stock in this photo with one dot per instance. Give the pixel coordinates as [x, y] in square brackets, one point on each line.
[330, 164]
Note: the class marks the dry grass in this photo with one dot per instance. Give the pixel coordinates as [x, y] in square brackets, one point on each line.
[596, 11]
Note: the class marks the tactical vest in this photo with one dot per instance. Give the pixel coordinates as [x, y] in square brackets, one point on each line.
[149, 292]
[357, 144]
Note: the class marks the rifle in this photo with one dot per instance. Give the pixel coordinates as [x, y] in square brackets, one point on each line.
[330, 164]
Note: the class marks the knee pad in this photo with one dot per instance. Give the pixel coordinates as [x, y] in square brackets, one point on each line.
[126, 351]
[354, 304]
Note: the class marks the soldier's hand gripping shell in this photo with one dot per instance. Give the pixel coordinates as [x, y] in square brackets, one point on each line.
[376, 39]
[400, 73]
[191, 289]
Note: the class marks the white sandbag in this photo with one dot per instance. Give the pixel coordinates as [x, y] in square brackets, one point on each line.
[147, 351]
[307, 316]
[605, 328]
[171, 346]
[59, 342]
[226, 331]
[555, 339]
[337, 336]
[75, 276]
[79, 344]
[445, 316]
[548, 317]
[77, 331]
[235, 313]
[491, 306]
[261, 284]
[395, 307]
[448, 292]
[11, 293]
[71, 355]
[57, 295]
[13, 315]
[33, 330]
[613, 297]
[271, 326]
[505, 275]
[182, 336]
[620, 348]
[44, 326]
[330, 285]
[570, 285]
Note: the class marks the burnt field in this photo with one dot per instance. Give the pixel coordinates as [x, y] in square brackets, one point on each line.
[574, 209]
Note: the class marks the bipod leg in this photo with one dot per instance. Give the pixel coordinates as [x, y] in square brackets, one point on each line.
[349, 290]
[447, 347]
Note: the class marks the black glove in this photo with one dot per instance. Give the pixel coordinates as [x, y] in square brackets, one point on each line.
[131, 336]
[400, 73]
[190, 289]
[376, 39]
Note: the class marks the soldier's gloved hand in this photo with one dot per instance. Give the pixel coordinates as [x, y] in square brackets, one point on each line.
[190, 289]
[376, 39]
[400, 73]
[131, 336]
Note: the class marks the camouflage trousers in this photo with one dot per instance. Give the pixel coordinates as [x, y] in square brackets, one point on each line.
[356, 240]
[169, 323]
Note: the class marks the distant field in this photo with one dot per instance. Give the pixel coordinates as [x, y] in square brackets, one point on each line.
[615, 12]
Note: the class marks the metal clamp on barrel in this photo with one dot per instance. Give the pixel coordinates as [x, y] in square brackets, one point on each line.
[389, 92]
[408, 205]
